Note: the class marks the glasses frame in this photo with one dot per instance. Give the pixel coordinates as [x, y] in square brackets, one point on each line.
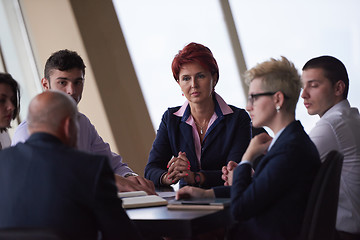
[253, 97]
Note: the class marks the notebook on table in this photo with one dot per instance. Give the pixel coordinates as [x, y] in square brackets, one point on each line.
[138, 199]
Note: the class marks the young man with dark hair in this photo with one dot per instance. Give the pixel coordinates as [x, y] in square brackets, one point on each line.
[65, 71]
[325, 89]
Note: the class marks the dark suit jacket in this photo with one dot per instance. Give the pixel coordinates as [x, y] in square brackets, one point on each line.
[271, 205]
[45, 184]
[226, 139]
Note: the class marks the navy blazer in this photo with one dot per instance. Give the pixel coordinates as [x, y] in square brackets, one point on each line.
[271, 204]
[226, 139]
[45, 184]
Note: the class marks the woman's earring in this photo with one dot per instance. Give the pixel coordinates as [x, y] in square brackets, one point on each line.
[277, 108]
[182, 94]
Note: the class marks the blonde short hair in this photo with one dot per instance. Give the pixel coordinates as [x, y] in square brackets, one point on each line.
[278, 75]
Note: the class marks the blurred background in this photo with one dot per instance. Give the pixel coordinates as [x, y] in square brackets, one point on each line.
[128, 47]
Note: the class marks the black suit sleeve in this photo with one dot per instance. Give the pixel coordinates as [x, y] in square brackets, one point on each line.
[112, 219]
[160, 153]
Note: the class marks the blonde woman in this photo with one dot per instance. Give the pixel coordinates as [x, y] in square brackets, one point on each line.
[270, 204]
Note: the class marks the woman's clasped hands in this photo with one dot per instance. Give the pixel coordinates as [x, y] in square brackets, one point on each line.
[178, 167]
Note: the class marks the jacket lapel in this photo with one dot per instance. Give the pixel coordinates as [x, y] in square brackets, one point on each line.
[277, 145]
[187, 137]
[213, 131]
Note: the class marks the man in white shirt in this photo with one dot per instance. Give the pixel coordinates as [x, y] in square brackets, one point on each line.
[325, 88]
[65, 71]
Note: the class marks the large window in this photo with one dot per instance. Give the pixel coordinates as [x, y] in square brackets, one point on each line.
[156, 30]
[300, 30]
[17, 54]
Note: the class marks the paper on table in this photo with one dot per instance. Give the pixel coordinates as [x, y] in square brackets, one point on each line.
[199, 204]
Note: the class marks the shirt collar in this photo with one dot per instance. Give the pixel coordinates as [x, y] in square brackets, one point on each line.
[221, 108]
[344, 104]
[275, 138]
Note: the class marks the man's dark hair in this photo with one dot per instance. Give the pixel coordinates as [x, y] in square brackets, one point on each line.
[333, 68]
[63, 60]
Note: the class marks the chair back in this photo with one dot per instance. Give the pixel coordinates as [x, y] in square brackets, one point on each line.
[320, 215]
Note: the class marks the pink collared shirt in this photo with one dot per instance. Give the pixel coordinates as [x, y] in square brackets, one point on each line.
[225, 109]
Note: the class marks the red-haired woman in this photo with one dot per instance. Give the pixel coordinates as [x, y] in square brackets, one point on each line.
[195, 140]
[9, 106]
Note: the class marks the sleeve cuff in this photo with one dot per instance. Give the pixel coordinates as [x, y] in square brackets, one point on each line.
[245, 162]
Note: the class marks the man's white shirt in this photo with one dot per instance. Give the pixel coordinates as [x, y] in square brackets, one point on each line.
[339, 129]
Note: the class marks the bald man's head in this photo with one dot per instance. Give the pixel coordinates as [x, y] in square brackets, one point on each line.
[54, 112]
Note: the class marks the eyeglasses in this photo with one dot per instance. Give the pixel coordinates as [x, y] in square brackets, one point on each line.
[253, 97]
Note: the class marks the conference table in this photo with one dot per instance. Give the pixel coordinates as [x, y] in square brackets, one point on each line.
[157, 222]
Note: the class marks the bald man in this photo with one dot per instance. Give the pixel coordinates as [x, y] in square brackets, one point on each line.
[43, 183]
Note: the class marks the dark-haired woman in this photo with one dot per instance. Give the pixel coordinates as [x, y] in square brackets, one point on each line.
[9, 106]
[195, 140]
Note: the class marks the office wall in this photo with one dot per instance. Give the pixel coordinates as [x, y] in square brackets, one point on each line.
[112, 98]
